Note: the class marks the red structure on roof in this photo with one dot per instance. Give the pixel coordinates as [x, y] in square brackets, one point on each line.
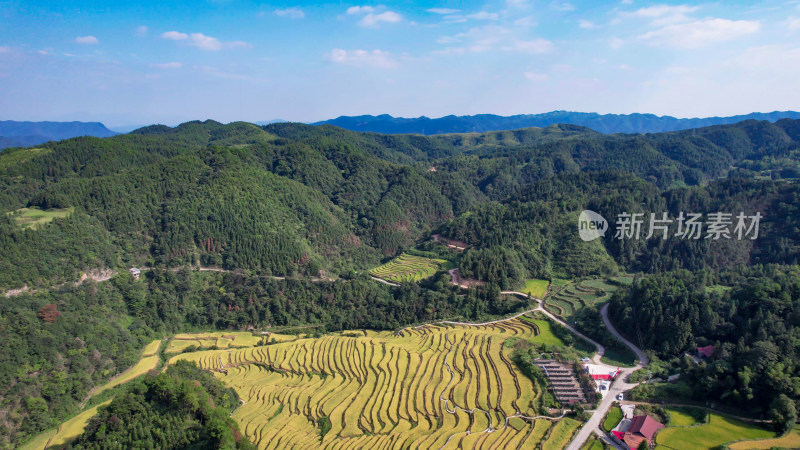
[705, 352]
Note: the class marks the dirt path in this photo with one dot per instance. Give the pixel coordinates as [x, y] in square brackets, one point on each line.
[381, 280]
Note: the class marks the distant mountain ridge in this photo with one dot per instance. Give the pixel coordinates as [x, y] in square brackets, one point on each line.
[22, 134]
[603, 123]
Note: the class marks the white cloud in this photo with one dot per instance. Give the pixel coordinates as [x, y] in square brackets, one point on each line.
[562, 6]
[493, 38]
[202, 41]
[481, 15]
[517, 4]
[587, 24]
[4, 49]
[174, 36]
[362, 58]
[626, 2]
[141, 30]
[360, 10]
[623, 67]
[536, 46]
[793, 23]
[527, 21]
[374, 20]
[535, 76]
[700, 33]
[616, 43]
[169, 65]
[478, 39]
[662, 14]
[86, 40]
[443, 10]
[291, 13]
[44, 52]
[769, 59]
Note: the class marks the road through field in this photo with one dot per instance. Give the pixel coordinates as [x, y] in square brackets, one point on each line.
[616, 388]
[619, 386]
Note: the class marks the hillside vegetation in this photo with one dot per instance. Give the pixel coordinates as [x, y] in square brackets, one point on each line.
[287, 220]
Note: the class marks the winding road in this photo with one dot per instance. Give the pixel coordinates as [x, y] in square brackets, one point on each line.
[618, 386]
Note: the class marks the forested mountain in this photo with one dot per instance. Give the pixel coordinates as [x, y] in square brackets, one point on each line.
[603, 123]
[323, 205]
[17, 134]
[292, 198]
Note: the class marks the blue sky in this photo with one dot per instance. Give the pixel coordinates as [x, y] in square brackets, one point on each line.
[167, 62]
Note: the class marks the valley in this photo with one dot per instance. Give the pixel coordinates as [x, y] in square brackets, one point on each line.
[351, 297]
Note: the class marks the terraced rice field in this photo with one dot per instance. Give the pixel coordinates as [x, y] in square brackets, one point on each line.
[564, 300]
[152, 348]
[67, 432]
[433, 386]
[180, 342]
[143, 366]
[408, 268]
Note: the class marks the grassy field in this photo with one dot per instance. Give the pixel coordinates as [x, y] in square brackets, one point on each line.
[679, 417]
[408, 267]
[716, 432]
[544, 332]
[536, 288]
[389, 390]
[613, 418]
[35, 217]
[791, 440]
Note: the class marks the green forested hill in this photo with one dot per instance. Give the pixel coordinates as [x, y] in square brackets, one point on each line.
[322, 202]
[292, 198]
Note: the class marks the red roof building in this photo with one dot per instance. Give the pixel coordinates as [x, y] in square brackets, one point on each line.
[705, 352]
[641, 428]
[601, 373]
[645, 426]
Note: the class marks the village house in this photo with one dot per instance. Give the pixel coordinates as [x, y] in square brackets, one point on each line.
[641, 428]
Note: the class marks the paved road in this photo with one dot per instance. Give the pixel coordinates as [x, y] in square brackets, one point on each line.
[616, 388]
